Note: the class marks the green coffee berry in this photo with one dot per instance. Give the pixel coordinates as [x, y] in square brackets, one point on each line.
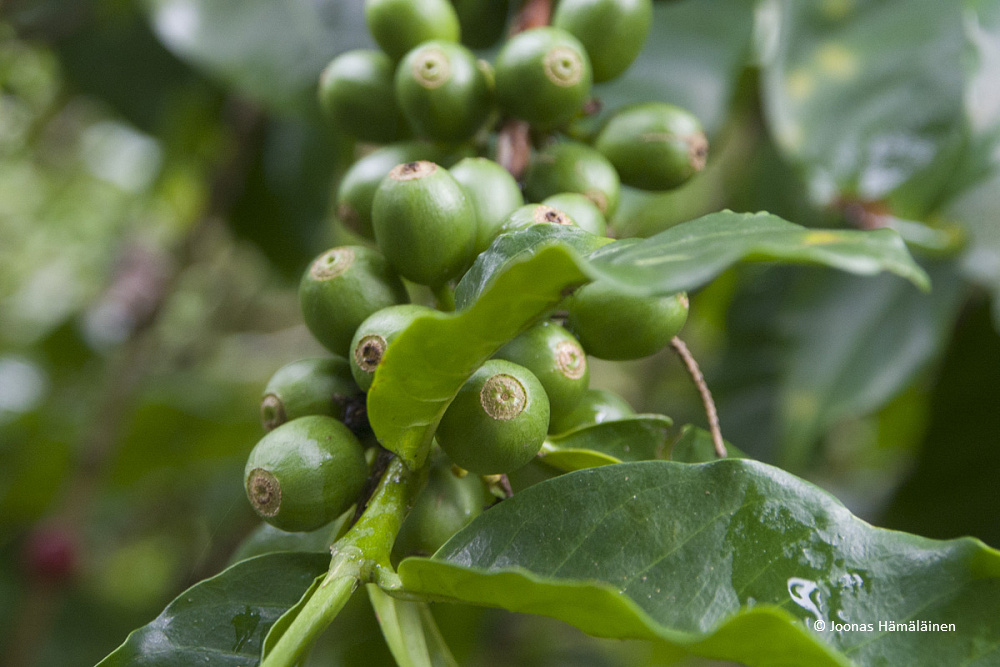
[356, 92]
[305, 473]
[399, 25]
[358, 186]
[445, 505]
[584, 212]
[493, 192]
[543, 76]
[341, 288]
[612, 31]
[443, 91]
[595, 406]
[653, 145]
[375, 335]
[498, 420]
[612, 325]
[483, 22]
[317, 386]
[556, 359]
[424, 223]
[574, 167]
[534, 214]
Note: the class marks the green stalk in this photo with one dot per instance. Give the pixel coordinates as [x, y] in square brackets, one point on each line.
[318, 612]
[360, 556]
[445, 296]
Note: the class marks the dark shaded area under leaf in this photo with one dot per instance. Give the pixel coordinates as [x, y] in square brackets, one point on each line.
[953, 490]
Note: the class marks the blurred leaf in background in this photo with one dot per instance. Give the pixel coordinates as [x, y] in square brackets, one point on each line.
[127, 403]
[270, 51]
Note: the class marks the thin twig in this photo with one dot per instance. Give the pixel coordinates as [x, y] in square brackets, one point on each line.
[534, 14]
[445, 297]
[514, 147]
[379, 466]
[706, 396]
[866, 215]
[499, 486]
[505, 485]
[514, 139]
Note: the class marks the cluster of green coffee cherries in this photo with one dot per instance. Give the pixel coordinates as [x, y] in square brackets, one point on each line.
[431, 206]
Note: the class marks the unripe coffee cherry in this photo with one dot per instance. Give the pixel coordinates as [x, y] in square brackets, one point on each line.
[612, 31]
[445, 505]
[595, 406]
[584, 212]
[556, 359]
[399, 25]
[375, 335]
[305, 473]
[443, 91]
[358, 186]
[653, 145]
[424, 223]
[498, 420]
[574, 167]
[483, 22]
[534, 214]
[316, 386]
[356, 92]
[493, 192]
[341, 288]
[612, 325]
[543, 76]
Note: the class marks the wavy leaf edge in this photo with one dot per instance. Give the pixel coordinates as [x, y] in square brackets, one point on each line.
[610, 613]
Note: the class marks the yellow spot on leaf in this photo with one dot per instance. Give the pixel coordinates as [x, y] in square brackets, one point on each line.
[820, 238]
[836, 61]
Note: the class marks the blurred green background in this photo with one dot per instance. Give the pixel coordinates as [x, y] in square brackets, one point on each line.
[165, 176]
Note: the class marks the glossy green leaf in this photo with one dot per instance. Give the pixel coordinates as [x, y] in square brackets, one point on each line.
[428, 363]
[706, 42]
[567, 459]
[695, 446]
[864, 96]
[524, 274]
[732, 560]
[853, 344]
[272, 51]
[637, 438]
[223, 620]
[515, 247]
[691, 254]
